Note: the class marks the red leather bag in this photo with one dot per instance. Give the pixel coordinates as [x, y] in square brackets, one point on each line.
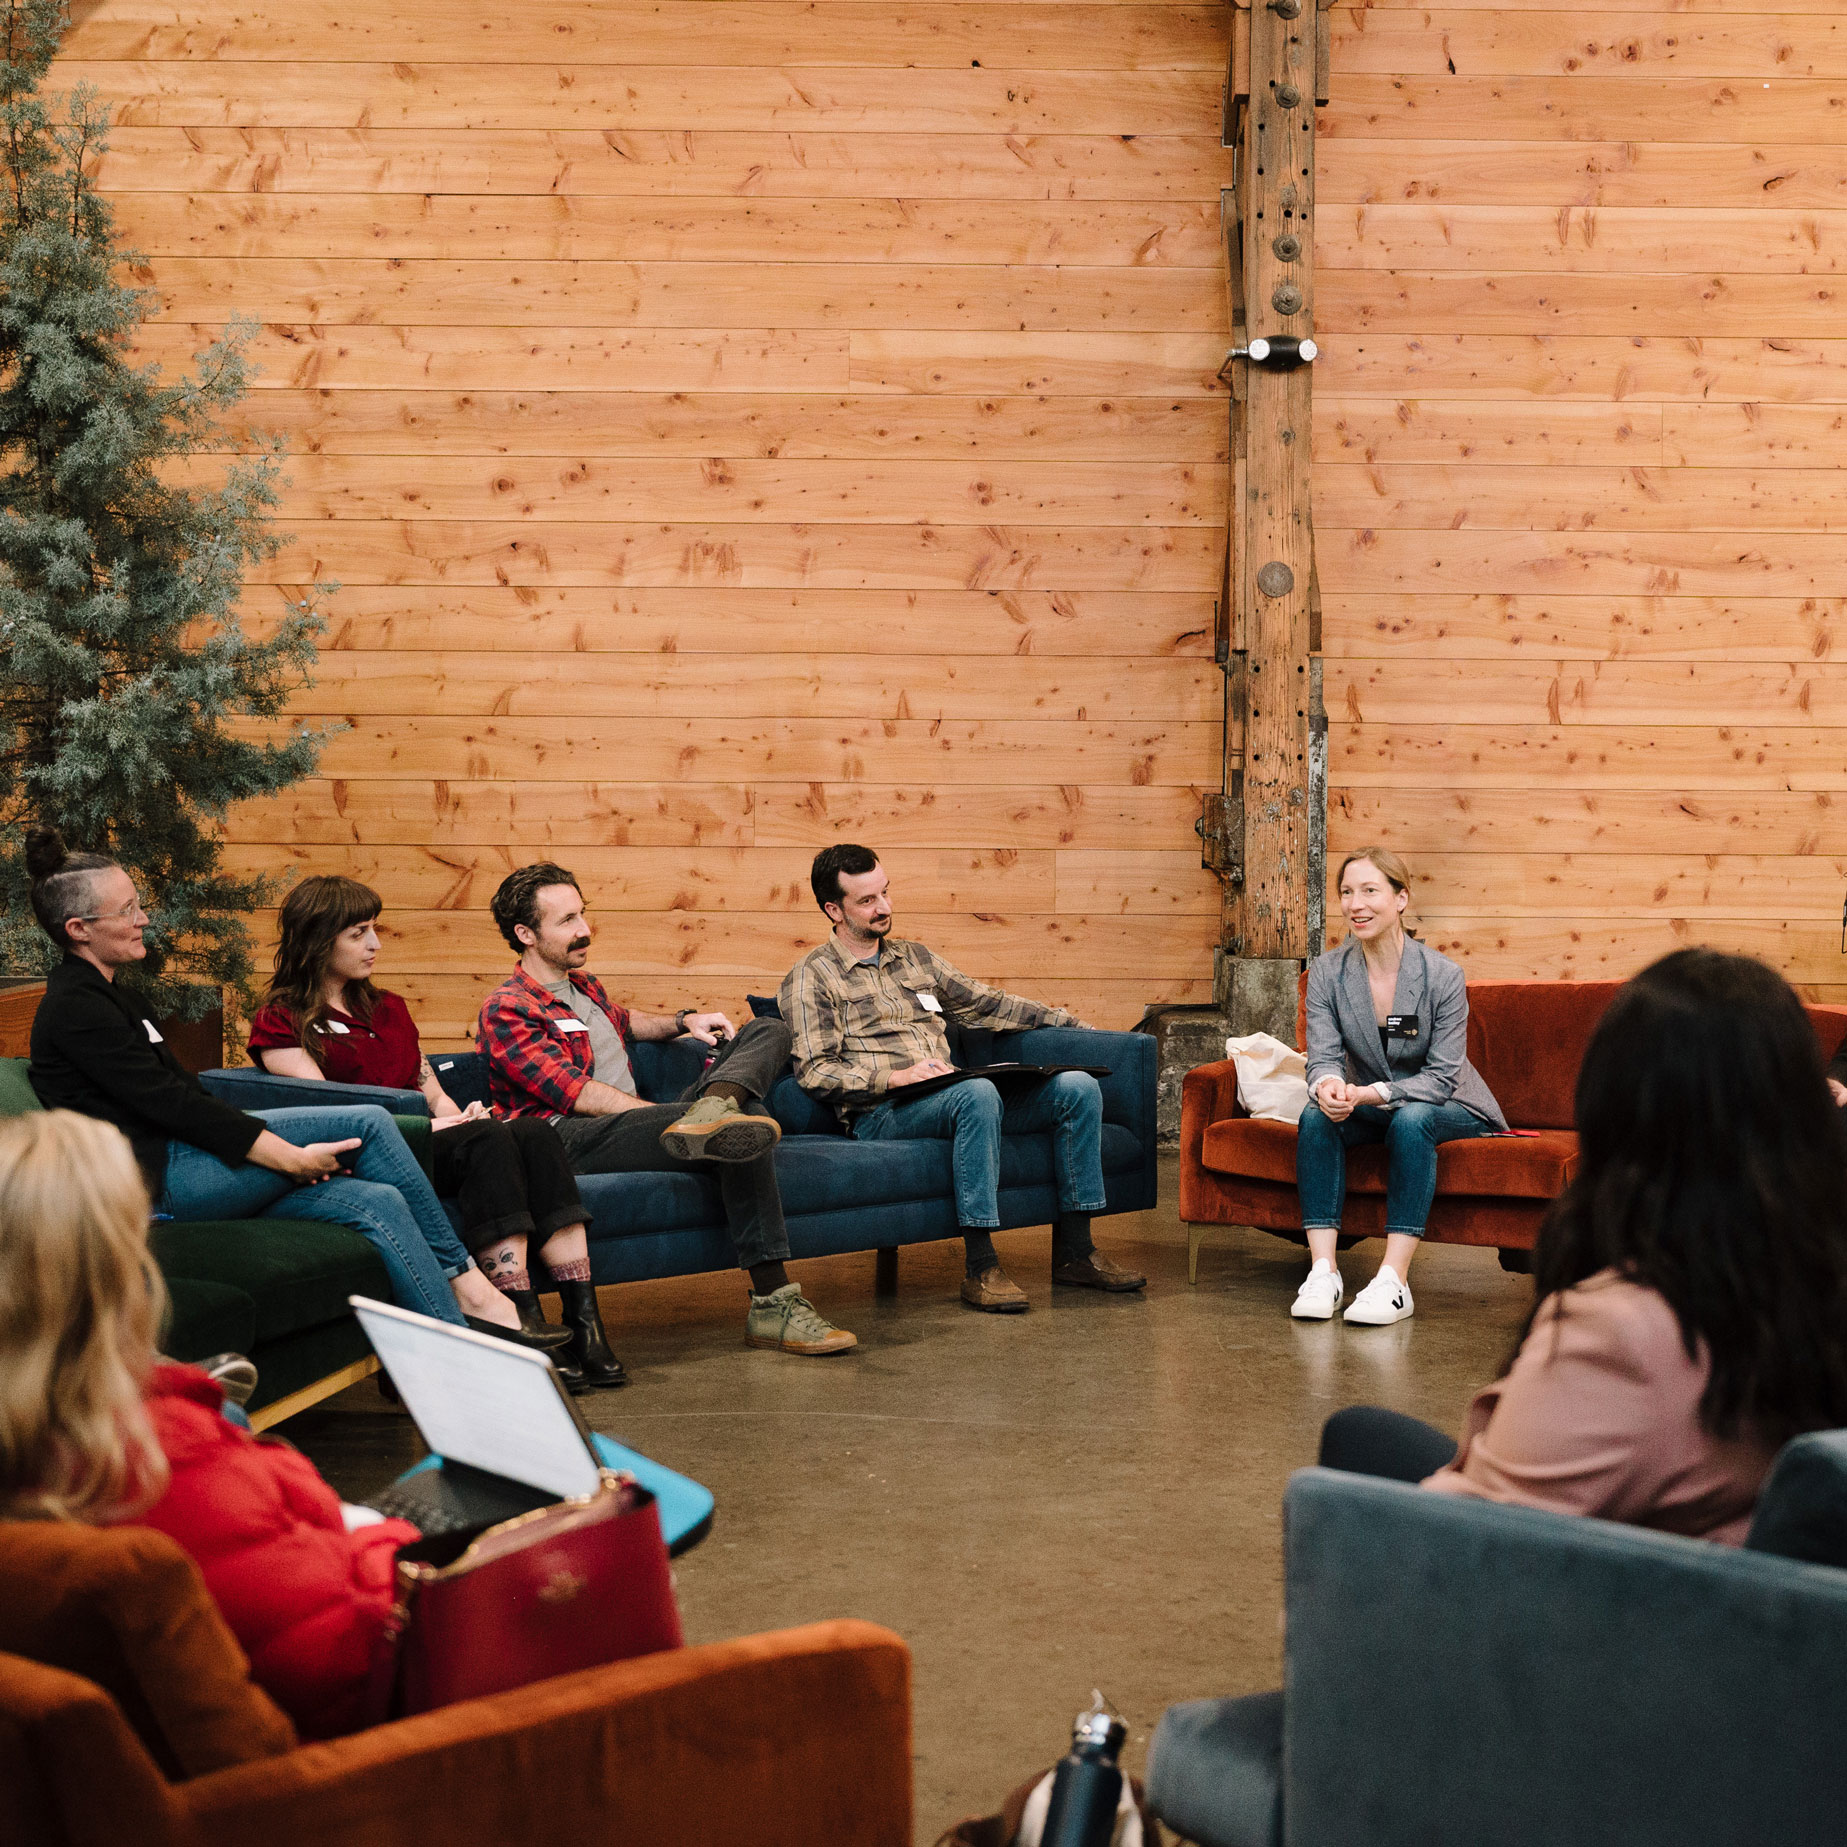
[567, 1587]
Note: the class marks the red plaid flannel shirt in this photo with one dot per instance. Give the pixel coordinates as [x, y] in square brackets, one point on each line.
[533, 1068]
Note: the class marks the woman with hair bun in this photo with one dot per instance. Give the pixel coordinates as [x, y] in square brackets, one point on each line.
[323, 1018]
[97, 1050]
[1388, 1032]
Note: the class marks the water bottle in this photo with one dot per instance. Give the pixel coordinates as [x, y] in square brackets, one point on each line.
[1087, 1786]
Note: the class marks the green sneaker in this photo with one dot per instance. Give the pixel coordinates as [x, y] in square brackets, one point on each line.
[788, 1322]
[715, 1129]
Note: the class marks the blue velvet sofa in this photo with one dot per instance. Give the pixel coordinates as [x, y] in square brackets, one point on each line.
[1459, 1673]
[838, 1195]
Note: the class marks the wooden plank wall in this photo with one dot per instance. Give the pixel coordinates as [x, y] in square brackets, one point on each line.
[737, 425]
[1582, 417]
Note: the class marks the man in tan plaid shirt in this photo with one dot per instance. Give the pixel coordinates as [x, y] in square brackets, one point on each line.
[868, 1012]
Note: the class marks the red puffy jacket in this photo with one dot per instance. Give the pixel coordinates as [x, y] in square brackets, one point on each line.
[307, 1600]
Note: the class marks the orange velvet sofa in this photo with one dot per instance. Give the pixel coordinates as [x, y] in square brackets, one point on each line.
[1526, 1038]
[127, 1719]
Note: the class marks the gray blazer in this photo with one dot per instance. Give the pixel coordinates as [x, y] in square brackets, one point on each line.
[1343, 1034]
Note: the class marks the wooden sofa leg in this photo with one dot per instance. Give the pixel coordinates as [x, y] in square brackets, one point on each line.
[885, 1271]
[1195, 1237]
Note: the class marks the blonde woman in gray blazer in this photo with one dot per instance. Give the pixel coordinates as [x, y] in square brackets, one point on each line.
[1388, 1031]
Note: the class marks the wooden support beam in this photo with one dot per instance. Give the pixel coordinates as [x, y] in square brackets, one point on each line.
[1273, 874]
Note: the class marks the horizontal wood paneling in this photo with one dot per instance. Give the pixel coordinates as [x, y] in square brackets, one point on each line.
[483, 491]
[1589, 628]
[1627, 173]
[830, 557]
[497, 296]
[919, 686]
[680, 621]
[768, 34]
[1171, 232]
[490, 97]
[446, 1006]
[734, 427]
[652, 164]
[539, 816]
[1587, 106]
[793, 425]
[925, 751]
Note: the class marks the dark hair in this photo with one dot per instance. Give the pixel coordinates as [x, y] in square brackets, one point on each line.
[63, 882]
[312, 917]
[831, 862]
[517, 900]
[1713, 1168]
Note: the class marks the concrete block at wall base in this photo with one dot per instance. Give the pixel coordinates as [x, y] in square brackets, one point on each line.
[1184, 1037]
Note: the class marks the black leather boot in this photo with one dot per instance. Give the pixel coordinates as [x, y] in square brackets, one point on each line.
[590, 1348]
[532, 1321]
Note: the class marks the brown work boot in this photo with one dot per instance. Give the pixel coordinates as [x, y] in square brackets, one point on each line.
[715, 1129]
[1097, 1272]
[994, 1292]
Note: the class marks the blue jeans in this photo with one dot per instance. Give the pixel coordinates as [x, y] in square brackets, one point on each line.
[973, 1118]
[1410, 1133]
[388, 1202]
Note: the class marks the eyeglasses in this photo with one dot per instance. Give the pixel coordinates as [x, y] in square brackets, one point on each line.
[119, 916]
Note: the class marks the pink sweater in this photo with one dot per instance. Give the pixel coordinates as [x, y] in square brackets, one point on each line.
[1599, 1414]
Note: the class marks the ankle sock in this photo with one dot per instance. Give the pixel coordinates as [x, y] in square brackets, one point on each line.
[978, 1252]
[1071, 1240]
[511, 1282]
[576, 1271]
[736, 1092]
[767, 1278]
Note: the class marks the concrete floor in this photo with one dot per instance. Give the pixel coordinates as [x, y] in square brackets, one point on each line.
[1085, 1495]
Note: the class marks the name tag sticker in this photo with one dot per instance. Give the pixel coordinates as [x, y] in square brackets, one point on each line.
[1401, 1025]
[571, 1026]
[154, 1037]
[929, 1003]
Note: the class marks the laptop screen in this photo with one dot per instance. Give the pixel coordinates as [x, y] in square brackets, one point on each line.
[482, 1401]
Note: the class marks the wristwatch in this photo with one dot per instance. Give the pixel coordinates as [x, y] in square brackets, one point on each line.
[680, 1018]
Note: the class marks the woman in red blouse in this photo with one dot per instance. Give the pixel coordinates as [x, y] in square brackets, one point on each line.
[323, 1018]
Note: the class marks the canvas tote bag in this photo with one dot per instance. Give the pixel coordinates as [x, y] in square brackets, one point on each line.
[1272, 1077]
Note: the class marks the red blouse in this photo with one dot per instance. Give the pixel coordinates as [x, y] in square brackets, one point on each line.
[381, 1051]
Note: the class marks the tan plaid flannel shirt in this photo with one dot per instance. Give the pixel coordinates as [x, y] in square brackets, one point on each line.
[855, 1022]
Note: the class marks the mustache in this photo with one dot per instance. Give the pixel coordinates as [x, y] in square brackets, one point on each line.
[578, 942]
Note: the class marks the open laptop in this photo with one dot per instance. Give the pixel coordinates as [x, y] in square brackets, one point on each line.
[506, 1435]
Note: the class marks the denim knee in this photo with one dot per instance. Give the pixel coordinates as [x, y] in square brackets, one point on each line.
[1412, 1121]
[1074, 1092]
[372, 1117]
[975, 1099]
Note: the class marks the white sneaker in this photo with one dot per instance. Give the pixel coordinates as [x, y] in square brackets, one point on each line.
[1387, 1298]
[1318, 1298]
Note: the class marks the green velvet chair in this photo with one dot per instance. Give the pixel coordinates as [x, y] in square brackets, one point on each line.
[275, 1290]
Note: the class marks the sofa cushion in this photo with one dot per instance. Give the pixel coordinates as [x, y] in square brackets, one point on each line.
[819, 1174]
[1527, 1039]
[16, 1095]
[207, 1318]
[297, 1273]
[1504, 1166]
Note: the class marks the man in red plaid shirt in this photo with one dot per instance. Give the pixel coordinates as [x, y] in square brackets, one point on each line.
[557, 1046]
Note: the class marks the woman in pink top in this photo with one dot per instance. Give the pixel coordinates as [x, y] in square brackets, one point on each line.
[1690, 1283]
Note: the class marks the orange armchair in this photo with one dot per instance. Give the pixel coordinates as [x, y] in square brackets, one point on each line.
[767, 1741]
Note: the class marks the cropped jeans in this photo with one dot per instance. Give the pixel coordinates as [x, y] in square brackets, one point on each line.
[973, 1118]
[1411, 1133]
[387, 1201]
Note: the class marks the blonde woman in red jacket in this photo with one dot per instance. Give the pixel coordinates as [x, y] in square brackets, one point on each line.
[94, 1428]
